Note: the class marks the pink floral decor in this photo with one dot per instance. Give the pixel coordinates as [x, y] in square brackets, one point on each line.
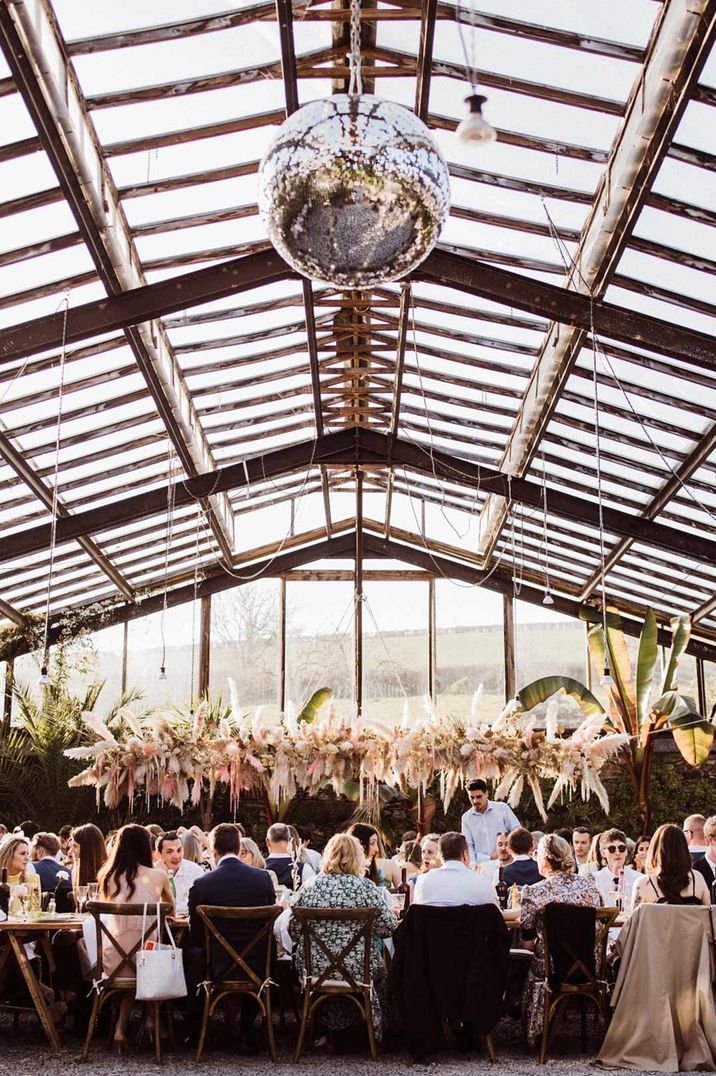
[173, 757]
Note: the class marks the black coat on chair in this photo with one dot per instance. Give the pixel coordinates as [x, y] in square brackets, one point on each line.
[450, 964]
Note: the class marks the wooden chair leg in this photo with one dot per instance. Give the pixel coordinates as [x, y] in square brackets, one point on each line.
[583, 1016]
[369, 1025]
[90, 1027]
[447, 1034]
[304, 1024]
[545, 1029]
[268, 1020]
[170, 1025]
[157, 1033]
[490, 1049]
[204, 1025]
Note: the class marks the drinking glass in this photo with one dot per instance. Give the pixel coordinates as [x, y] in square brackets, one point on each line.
[93, 891]
[80, 894]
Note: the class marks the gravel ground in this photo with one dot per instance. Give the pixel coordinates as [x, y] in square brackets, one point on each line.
[23, 1051]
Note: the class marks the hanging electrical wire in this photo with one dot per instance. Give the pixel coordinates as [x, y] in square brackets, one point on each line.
[45, 679]
[474, 128]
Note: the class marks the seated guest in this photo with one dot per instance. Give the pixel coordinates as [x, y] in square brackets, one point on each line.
[407, 839]
[641, 847]
[182, 873]
[454, 883]
[380, 870]
[289, 871]
[89, 853]
[128, 877]
[154, 832]
[27, 829]
[314, 857]
[194, 850]
[581, 841]
[484, 820]
[15, 859]
[65, 835]
[522, 870]
[537, 835]
[595, 859]
[430, 852]
[44, 849]
[495, 868]
[669, 877]
[694, 833]
[560, 886]
[232, 884]
[706, 865]
[410, 859]
[250, 854]
[615, 881]
[342, 884]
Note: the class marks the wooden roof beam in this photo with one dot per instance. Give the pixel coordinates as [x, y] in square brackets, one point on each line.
[36, 55]
[677, 52]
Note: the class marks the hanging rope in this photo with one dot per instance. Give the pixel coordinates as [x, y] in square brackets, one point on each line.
[355, 87]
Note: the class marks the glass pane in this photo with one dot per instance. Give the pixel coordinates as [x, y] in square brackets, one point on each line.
[164, 638]
[395, 648]
[548, 643]
[470, 655]
[244, 643]
[319, 641]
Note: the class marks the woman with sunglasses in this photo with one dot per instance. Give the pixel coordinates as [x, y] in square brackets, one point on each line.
[615, 881]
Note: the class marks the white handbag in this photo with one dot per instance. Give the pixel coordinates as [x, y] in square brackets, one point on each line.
[160, 970]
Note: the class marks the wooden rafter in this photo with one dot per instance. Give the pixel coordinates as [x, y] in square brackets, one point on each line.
[679, 48]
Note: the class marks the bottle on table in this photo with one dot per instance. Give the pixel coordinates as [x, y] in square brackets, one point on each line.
[404, 888]
[515, 896]
[4, 892]
[502, 888]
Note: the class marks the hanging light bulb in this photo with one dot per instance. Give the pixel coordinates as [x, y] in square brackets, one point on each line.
[607, 680]
[475, 128]
[548, 599]
[44, 679]
[162, 672]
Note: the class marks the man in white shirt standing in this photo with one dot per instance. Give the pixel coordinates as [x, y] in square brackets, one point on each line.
[485, 819]
[182, 872]
[454, 883]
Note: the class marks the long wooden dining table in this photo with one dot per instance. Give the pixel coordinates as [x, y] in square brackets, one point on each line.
[21, 931]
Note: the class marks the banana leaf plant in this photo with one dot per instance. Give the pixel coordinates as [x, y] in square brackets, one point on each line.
[633, 709]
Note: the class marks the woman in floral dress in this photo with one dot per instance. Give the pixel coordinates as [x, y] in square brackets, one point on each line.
[341, 884]
[560, 886]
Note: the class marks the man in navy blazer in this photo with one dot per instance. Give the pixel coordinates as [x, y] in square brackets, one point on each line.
[232, 884]
[522, 870]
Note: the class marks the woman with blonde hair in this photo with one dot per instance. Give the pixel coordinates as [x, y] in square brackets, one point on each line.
[193, 849]
[668, 877]
[342, 884]
[15, 859]
[561, 885]
[250, 854]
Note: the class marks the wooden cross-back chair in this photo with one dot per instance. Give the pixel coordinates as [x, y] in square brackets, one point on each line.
[122, 980]
[336, 979]
[578, 979]
[240, 977]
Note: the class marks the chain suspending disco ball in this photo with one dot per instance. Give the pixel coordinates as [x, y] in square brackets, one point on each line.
[354, 191]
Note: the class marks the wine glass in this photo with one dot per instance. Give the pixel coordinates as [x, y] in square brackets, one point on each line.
[80, 898]
[93, 891]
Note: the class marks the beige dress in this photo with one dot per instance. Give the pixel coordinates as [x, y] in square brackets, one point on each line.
[148, 888]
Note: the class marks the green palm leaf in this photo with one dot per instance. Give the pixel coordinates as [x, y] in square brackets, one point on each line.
[646, 664]
[314, 704]
[541, 690]
[680, 634]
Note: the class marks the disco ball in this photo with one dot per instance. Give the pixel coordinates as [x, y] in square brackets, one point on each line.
[353, 191]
